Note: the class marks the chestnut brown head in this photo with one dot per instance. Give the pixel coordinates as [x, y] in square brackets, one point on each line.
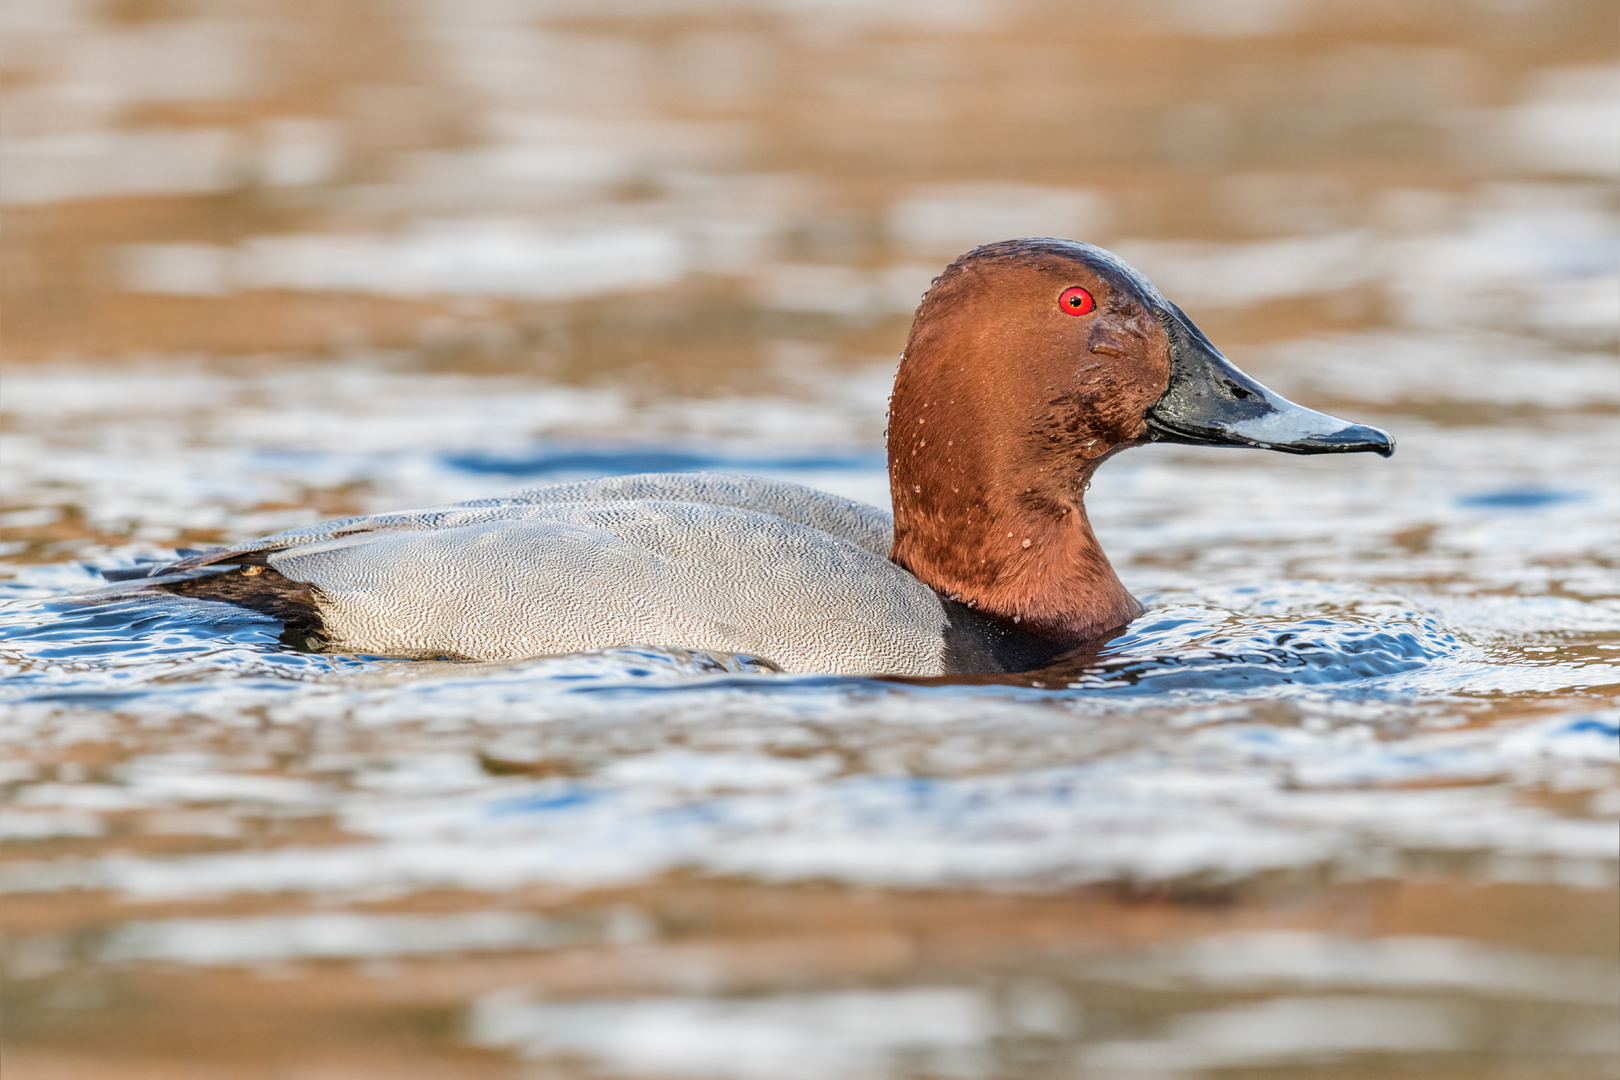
[1050, 352]
[1029, 362]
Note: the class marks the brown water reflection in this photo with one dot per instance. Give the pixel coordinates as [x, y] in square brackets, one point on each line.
[281, 223]
[315, 177]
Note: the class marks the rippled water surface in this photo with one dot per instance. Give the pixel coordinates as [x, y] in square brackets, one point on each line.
[1342, 804]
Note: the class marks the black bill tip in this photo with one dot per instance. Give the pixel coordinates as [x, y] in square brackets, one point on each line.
[1354, 439]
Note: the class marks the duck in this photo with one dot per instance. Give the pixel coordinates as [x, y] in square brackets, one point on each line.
[1029, 363]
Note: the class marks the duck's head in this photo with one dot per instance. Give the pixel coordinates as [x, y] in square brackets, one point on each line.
[1029, 362]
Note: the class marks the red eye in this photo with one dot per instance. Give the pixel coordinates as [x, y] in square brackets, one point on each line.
[1076, 301]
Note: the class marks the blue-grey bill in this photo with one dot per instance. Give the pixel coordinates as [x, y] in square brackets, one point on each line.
[1210, 402]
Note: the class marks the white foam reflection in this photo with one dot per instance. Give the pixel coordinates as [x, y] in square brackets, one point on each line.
[278, 939]
[18, 824]
[105, 164]
[1310, 960]
[501, 259]
[1286, 1031]
[1571, 122]
[853, 1035]
[972, 1031]
[1215, 805]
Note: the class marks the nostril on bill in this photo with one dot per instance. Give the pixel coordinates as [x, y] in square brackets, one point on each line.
[1237, 391]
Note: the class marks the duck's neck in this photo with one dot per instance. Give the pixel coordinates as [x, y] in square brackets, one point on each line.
[986, 521]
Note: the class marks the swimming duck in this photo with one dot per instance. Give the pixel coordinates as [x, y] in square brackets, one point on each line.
[1030, 362]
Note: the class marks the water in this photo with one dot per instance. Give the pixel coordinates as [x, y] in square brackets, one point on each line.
[1341, 804]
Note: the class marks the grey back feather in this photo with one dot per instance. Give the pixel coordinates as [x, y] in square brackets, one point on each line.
[857, 522]
[704, 561]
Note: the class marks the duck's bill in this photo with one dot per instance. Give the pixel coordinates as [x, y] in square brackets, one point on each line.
[1209, 402]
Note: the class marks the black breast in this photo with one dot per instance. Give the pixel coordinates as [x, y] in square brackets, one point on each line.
[974, 645]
